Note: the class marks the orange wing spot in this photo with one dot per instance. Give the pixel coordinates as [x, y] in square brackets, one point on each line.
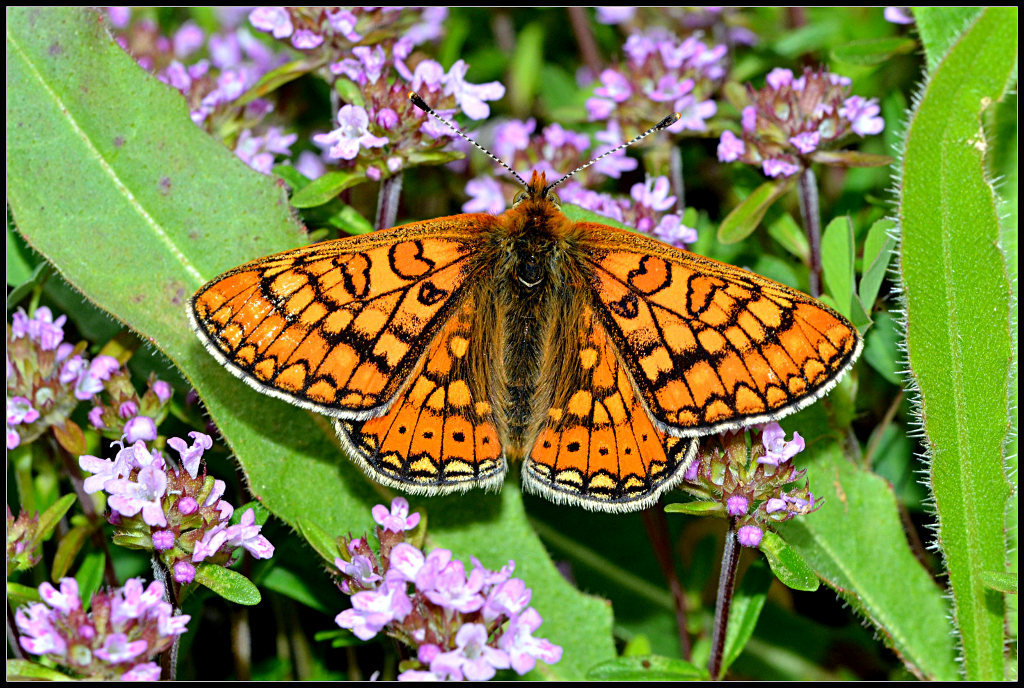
[732, 372]
[738, 338]
[545, 448]
[488, 448]
[588, 357]
[220, 317]
[797, 385]
[482, 408]
[574, 448]
[686, 418]
[288, 283]
[701, 292]
[712, 341]
[796, 346]
[827, 352]
[435, 401]
[653, 278]
[341, 360]
[555, 414]
[458, 438]
[717, 410]
[283, 347]
[322, 392]
[367, 380]
[751, 325]
[409, 261]
[779, 361]
[420, 391]
[337, 322]
[766, 311]
[776, 396]
[580, 403]
[391, 348]
[313, 314]
[679, 336]
[267, 331]
[320, 267]
[292, 378]
[703, 382]
[814, 371]
[655, 363]
[302, 298]
[759, 369]
[253, 313]
[356, 270]
[458, 346]
[246, 355]
[747, 401]
[601, 416]
[458, 394]
[370, 322]
[265, 369]
[737, 292]
[232, 335]
[674, 395]
[715, 316]
[311, 351]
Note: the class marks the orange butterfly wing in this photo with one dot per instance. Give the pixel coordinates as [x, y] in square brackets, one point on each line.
[597, 447]
[339, 327]
[439, 435]
[708, 346]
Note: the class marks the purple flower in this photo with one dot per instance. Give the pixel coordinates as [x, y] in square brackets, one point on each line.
[398, 520]
[614, 86]
[779, 78]
[146, 495]
[128, 409]
[188, 39]
[523, 649]
[453, 590]
[304, 39]
[140, 428]
[748, 119]
[150, 671]
[737, 505]
[472, 659]
[387, 118]
[863, 115]
[187, 506]
[486, 196]
[730, 147]
[274, 20]
[105, 470]
[344, 22]
[774, 504]
[777, 167]
[508, 599]
[777, 449]
[19, 410]
[210, 543]
[184, 572]
[163, 540]
[470, 97]
[360, 569]
[162, 390]
[406, 562]
[615, 15]
[310, 165]
[749, 536]
[671, 230]
[67, 600]
[806, 142]
[190, 455]
[693, 114]
[372, 610]
[898, 15]
[246, 534]
[38, 635]
[100, 370]
[513, 136]
[117, 648]
[345, 141]
[654, 194]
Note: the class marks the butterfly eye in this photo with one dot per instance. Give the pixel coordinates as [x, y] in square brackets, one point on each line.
[519, 197]
[553, 197]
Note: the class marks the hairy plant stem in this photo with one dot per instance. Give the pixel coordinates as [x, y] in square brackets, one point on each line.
[657, 532]
[807, 192]
[726, 588]
[585, 39]
[387, 201]
[675, 172]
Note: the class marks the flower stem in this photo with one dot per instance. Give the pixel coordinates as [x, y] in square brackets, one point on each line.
[726, 587]
[657, 532]
[807, 191]
[387, 201]
[675, 171]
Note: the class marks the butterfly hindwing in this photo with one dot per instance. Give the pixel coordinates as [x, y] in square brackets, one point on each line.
[597, 447]
[337, 327]
[712, 347]
[439, 434]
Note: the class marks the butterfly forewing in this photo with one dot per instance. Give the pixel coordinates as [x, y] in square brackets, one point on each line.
[709, 346]
[597, 447]
[338, 327]
[439, 434]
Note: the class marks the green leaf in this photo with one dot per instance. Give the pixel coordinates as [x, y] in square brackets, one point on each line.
[231, 585]
[90, 574]
[697, 508]
[322, 542]
[294, 586]
[324, 189]
[19, 595]
[787, 565]
[525, 67]
[878, 248]
[791, 236]
[20, 263]
[744, 218]
[24, 670]
[649, 668]
[139, 180]
[67, 549]
[747, 604]
[958, 320]
[882, 348]
[1000, 580]
[850, 158]
[49, 519]
[837, 263]
[278, 77]
[940, 27]
[872, 51]
[856, 544]
[578, 214]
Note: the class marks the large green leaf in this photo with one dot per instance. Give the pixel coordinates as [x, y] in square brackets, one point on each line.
[856, 544]
[141, 210]
[958, 320]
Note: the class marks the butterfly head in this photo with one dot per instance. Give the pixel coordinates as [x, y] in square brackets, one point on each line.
[537, 189]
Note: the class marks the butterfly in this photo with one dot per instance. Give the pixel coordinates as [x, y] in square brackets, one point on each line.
[597, 356]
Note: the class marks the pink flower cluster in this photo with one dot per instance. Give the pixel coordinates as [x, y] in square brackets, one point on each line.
[465, 626]
[113, 640]
[172, 509]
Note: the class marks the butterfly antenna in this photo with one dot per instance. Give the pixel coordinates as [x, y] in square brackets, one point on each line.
[663, 124]
[419, 102]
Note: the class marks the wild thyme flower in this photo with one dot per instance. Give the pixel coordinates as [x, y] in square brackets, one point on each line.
[794, 121]
[46, 376]
[115, 639]
[755, 486]
[170, 509]
[662, 73]
[684, 21]
[464, 626]
[23, 550]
